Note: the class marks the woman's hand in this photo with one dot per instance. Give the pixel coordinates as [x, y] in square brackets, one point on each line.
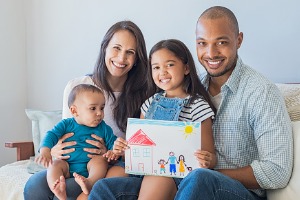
[120, 145]
[99, 143]
[58, 150]
[205, 158]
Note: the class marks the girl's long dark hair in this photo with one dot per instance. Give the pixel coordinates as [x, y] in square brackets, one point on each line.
[136, 87]
[192, 84]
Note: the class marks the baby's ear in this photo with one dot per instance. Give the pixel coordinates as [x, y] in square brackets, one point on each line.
[73, 110]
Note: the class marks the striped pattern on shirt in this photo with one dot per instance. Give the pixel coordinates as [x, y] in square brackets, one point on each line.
[197, 111]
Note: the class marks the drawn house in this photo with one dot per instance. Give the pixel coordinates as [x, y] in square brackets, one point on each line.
[141, 152]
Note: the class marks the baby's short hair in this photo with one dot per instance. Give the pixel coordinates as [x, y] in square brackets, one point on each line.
[80, 89]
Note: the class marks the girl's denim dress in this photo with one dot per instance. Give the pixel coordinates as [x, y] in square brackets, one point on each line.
[163, 108]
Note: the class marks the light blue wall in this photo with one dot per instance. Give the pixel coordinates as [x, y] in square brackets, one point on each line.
[46, 43]
[63, 37]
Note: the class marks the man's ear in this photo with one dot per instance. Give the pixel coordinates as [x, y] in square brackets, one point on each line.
[240, 39]
[73, 110]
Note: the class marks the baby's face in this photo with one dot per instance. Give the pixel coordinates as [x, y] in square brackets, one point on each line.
[90, 108]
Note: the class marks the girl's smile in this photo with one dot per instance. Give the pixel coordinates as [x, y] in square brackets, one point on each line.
[168, 72]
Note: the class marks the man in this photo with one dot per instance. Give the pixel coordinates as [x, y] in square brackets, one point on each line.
[252, 130]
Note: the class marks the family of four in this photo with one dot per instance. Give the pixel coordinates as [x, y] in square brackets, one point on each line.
[246, 135]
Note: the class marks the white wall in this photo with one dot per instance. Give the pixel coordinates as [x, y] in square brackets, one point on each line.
[13, 123]
[63, 39]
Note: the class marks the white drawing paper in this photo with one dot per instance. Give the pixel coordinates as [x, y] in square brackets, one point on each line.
[161, 148]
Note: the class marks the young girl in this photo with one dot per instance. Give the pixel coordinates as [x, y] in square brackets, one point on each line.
[179, 96]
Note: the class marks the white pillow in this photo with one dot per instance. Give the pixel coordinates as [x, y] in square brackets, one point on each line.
[42, 121]
[291, 191]
[291, 93]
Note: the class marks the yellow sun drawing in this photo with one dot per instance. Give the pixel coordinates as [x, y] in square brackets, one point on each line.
[188, 130]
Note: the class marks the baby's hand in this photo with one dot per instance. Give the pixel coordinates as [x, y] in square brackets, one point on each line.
[43, 159]
[120, 145]
[204, 158]
[110, 156]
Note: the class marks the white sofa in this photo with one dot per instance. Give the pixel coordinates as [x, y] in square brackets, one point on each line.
[14, 176]
[292, 99]
[292, 190]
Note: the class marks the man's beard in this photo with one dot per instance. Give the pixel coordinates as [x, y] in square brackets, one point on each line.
[228, 68]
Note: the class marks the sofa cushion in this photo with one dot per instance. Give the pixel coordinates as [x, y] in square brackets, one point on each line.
[42, 121]
[291, 191]
[291, 94]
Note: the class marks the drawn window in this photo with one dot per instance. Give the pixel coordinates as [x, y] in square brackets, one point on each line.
[146, 152]
[135, 153]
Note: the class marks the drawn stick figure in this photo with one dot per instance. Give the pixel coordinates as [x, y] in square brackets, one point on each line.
[182, 165]
[172, 164]
[162, 167]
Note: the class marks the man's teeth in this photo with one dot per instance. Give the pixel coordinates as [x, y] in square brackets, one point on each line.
[214, 62]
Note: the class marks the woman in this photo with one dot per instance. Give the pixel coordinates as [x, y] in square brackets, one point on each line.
[120, 72]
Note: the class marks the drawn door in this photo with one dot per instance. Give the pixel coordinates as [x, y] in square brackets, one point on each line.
[141, 167]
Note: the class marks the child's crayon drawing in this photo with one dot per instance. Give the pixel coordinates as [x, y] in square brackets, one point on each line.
[161, 148]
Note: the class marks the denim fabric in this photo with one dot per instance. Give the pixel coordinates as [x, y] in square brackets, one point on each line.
[163, 108]
[201, 183]
[119, 188]
[37, 188]
[120, 163]
[209, 184]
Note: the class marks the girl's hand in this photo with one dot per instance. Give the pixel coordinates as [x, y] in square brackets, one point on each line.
[205, 158]
[99, 143]
[44, 158]
[58, 150]
[120, 145]
[110, 156]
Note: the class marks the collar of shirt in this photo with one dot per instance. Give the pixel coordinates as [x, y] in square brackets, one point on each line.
[233, 82]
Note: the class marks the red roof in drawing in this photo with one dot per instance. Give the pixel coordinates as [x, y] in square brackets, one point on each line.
[140, 138]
